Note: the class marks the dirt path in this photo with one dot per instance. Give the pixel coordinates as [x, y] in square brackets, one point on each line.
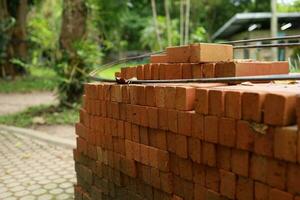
[16, 102]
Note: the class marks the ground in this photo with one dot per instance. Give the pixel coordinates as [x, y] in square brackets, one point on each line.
[30, 169]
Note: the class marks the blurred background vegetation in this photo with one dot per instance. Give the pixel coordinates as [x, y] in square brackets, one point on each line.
[54, 44]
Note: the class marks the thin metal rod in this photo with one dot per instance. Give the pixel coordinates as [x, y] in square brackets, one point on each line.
[210, 80]
[267, 45]
[122, 60]
[263, 39]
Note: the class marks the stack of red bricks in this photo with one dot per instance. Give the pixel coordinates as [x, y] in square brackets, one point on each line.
[200, 61]
[188, 141]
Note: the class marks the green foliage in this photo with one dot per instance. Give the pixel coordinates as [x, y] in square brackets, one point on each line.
[148, 36]
[38, 79]
[73, 69]
[51, 114]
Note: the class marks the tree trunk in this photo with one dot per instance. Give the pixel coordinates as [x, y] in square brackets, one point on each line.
[168, 22]
[154, 14]
[181, 21]
[73, 26]
[15, 37]
[73, 29]
[187, 21]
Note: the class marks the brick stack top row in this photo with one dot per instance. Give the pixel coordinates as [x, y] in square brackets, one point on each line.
[200, 61]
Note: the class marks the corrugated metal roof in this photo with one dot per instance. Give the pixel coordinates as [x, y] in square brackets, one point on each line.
[241, 21]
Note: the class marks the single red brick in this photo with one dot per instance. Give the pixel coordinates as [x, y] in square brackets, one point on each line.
[125, 94]
[201, 101]
[116, 93]
[178, 54]
[161, 139]
[173, 121]
[150, 95]
[186, 169]
[143, 113]
[147, 71]
[199, 174]
[216, 102]
[258, 168]
[197, 70]
[154, 177]
[163, 160]
[127, 131]
[135, 133]
[279, 109]
[261, 191]
[276, 194]
[153, 157]
[135, 114]
[173, 71]
[171, 142]
[211, 128]
[133, 93]
[144, 137]
[166, 182]
[170, 97]
[152, 117]
[103, 108]
[144, 154]
[199, 192]
[159, 96]
[141, 94]
[100, 92]
[155, 71]
[107, 91]
[159, 58]
[163, 119]
[185, 98]
[194, 149]
[285, 143]
[81, 145]
[174, 164]
[245, 188]
[212, 179]
[181, 146]
[129, 149]
[185, 122]
[276, 173]
[233, 104]
[115, 109]
[162, 71]
[224, 158]
[252, 105]
[208, 70]
[228, 184]
[140, 72]
[198, 126]
[137, 151]
[227, 132]
[240, 162]
[245, 136]
[205, 53]
[209, 154]
[187, 71]
[263, 143]
[293, 178]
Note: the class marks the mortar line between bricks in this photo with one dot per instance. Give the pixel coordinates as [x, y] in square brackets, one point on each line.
[38, 135]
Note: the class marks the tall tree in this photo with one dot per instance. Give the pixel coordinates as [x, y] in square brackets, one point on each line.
[154, 14]
[182, 21]
[187, 21]
[168, 22]
[73, 30]
[15, 35]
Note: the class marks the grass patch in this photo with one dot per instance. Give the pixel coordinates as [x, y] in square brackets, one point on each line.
[44, 114]
[39, 79]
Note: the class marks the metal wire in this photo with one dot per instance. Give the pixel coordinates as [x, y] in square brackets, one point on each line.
[267, 45]
[207, 80]
[263, 39]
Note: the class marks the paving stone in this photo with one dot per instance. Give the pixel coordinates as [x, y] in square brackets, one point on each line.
[31, 169]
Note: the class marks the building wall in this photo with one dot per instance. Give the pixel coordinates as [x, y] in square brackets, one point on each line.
[262, 53]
